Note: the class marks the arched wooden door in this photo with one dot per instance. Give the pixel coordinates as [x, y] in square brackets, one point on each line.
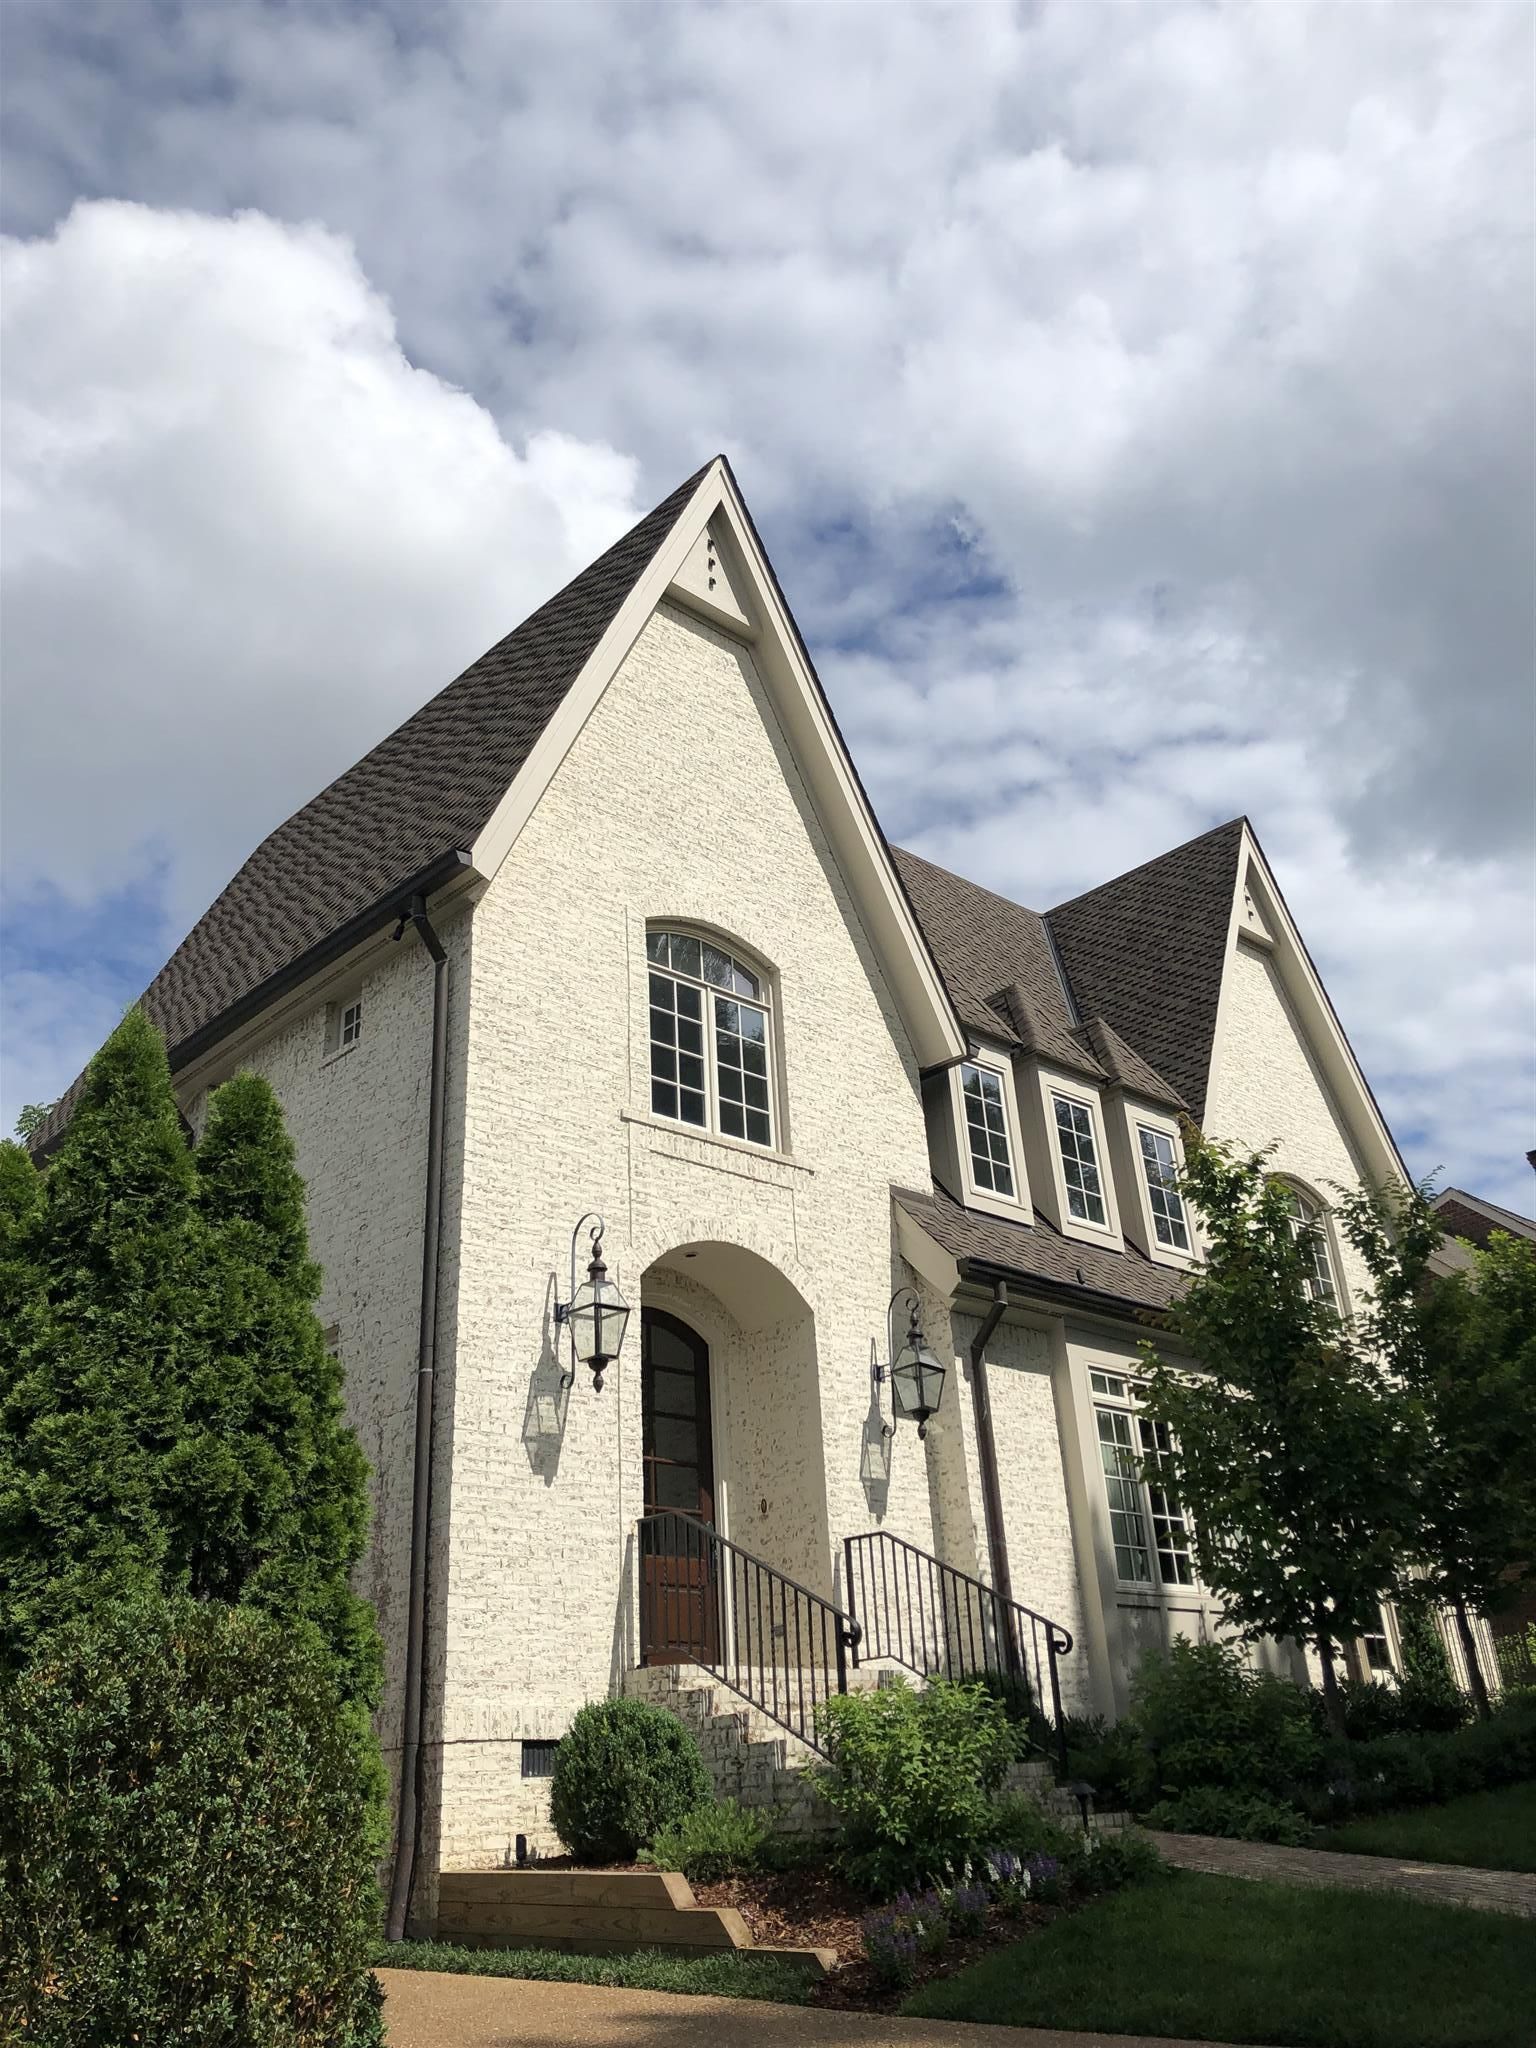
[679, 1597]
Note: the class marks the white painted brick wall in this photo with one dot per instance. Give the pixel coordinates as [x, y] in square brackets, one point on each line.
[679, 800]
[1266, 1086]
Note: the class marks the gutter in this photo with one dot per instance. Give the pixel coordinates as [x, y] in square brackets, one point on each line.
[1062, 1294]
[986, 1446]
[408, 1827]
[447, 867]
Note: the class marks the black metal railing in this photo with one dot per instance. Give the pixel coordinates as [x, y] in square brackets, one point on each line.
[930, 1618]
[705, 1601]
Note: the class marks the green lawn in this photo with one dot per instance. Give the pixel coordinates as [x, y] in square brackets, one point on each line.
[721, 1976]
[1490, 1830]
[1218, 1958]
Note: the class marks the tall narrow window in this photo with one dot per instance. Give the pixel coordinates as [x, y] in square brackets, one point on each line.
[1309, 1230]
[1167, 1205]
[986, 1129]
[1122, 1483]
[1137, 1455]
[710, 1038]
[1170, 1531]
[1079, 1161]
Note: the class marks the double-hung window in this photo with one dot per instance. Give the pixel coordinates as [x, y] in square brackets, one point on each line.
[1079, 1161]
[711, 1041]
[1169, 1222]
[1152, 1540]
[986, 1130]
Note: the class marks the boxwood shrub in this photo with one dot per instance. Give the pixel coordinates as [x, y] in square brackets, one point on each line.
[626, 1770]
[188, 1837]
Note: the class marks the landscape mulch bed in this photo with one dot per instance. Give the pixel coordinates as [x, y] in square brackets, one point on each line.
[810, 1907]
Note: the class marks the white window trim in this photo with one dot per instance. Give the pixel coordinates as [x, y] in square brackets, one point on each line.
[1324, 1217]
[768, 1003]
[1161, 1254]
[1020, 1208]
[335, 1011]
[1128, 1404]
[1053, 1083]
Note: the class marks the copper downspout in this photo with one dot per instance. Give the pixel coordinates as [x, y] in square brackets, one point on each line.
[986, 1446]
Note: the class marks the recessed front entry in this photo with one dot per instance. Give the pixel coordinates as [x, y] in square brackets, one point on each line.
[679, 1605]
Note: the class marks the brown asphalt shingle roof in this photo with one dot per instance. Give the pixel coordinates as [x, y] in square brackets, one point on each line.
[1039, 1252]
[1147, 951]
[426, 790]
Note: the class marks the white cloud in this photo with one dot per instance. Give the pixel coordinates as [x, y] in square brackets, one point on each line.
[244, 537]
[1207, 329]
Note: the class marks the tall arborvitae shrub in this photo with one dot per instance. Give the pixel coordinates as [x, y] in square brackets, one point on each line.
[104, 1270]
[279, 1479]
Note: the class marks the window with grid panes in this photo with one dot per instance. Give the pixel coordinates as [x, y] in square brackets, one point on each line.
[1167, 1204]
[1308, 1228]
[986, 1129]
[1079, 1161]
[1146, 1522]
[711, 1042]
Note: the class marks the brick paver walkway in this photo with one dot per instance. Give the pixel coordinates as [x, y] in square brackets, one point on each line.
[425, 2010]
[1449, 1884]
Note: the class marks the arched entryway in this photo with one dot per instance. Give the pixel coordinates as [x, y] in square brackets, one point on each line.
[679, 1608]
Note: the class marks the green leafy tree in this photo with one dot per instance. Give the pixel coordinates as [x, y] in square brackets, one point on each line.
[1290, 1438]
[33, 1115]
[1463, 1345]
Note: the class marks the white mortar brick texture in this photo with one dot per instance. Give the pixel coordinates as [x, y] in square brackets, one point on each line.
[1266, 1086]
[679, 801]
[359, 1124]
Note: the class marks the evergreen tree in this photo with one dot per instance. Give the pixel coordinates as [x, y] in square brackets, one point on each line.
[277, 1479]
[1290, 1440]
[101, 1271]
[170, 1418]
[1464, 1347]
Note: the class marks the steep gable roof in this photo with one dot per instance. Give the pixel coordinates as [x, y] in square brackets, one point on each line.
[418, 798]
[995, 957]
[1148, 951]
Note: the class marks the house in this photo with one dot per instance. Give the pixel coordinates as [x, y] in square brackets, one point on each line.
[599, 972]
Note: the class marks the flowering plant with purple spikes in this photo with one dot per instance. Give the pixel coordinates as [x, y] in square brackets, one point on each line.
[1044, 1875]
[890, 1945]
[967, 1908]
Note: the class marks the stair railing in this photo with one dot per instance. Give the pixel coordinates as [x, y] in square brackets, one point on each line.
[930, 1618]
[706, 1601]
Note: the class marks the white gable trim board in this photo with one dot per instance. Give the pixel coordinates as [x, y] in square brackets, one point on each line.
[716, 511]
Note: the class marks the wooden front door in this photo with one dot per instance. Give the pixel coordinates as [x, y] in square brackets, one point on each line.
[679, 1593]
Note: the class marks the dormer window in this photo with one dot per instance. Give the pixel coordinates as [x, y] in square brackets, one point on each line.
[986, 1130]
[1079, 1161]
[985, 1114]
[710, 1038]
[1160, 1170]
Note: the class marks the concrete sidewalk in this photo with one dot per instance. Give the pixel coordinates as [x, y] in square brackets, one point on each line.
[425, 2010]
[1442, 1884]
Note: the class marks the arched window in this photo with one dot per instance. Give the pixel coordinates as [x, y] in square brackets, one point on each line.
[711, 1038]
[1309, 1226]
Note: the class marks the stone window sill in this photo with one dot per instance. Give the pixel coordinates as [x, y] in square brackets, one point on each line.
[737, 1148]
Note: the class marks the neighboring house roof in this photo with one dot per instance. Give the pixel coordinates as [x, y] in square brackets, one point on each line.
[1471, 1217]
[1039, 1252]
[1148, 951]
[419, 797]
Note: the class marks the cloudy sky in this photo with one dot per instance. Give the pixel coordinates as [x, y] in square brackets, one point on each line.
[1137, 404]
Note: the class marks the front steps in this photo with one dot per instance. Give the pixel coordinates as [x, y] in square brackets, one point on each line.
[754, 1761]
